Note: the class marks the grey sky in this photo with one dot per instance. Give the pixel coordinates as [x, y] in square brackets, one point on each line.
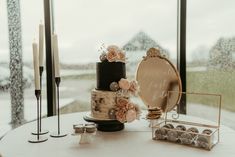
[82, 25]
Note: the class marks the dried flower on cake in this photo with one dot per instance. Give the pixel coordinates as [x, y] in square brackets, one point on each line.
[113, 48]
[131, 115]
[103, 57]
[134, 88]
[121, 109]
[122, 93]
[122, 103]
[121, 116]
[112, 113]
[126, 111]
[111, 56]
[114, 86]
[121, 56]
[124, 84]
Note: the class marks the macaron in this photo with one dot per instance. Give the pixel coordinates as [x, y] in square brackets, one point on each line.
[79, 128]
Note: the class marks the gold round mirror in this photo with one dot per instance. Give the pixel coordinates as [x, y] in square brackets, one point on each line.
[156, 76]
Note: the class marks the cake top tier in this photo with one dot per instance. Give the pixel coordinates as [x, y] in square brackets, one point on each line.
[108, 72]
[112, 54]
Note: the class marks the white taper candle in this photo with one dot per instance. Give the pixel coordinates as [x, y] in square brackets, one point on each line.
[56, 55]
[36, 66]
[41, 44]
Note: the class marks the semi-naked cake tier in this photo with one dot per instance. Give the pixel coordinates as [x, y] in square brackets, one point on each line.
[108, 72]
[103, 104]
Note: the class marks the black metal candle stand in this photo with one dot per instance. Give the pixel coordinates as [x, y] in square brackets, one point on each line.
[58, 134]
[39, 138]
[41, 131]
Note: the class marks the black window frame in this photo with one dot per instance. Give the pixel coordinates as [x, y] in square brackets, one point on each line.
[181, 53]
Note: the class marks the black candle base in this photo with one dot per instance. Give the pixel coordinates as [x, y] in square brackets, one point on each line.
[35, 139]
[58, 135]
[42, 132]
[106, 125]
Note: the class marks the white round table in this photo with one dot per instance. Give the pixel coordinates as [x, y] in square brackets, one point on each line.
[134, 141]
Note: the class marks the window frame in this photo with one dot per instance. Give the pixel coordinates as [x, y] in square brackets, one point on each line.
[181, 53]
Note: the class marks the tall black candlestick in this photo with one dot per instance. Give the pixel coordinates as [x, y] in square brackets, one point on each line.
[41, 132]
[58, 133]
[38, 138]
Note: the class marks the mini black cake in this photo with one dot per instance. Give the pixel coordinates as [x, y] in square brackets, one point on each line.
[108, 72]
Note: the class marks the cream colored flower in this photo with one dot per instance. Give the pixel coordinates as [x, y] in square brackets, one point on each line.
[122, 102]
[121, 116]
[133, 87]
[130, 115]
[113, 48]
[111, 56]
[121, 56]
[124, 84]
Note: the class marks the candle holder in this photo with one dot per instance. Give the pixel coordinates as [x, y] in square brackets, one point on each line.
[41, 132]
[58, 133]
[38, 138]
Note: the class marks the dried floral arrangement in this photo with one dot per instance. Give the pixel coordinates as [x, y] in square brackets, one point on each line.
[125, 110]
[112, 54]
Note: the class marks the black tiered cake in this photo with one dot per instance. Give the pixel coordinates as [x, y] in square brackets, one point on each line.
[108, 72]
[110, 105]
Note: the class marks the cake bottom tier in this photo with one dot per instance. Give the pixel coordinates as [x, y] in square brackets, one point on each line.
[103, 104]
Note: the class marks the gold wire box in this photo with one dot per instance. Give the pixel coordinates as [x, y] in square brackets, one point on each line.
[191, 130]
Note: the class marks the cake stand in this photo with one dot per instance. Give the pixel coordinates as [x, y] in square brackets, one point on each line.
[105, 125]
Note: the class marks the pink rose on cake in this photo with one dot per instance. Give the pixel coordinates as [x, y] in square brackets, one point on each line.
[121, 109]
[113, 48]
[126, 111]
[121, 56]
[111, 56]
[134, 87]
[124, 84]
[122, 102]
[121, 116]
[130, 115]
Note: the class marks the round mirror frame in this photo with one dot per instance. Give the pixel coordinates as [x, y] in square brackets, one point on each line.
[167, 78]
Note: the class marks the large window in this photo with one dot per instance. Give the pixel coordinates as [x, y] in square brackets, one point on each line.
[83, 26]
[210, 54]
[5, 111]
[31, 14]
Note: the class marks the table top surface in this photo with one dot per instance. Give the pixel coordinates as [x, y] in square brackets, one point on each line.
[135, 140]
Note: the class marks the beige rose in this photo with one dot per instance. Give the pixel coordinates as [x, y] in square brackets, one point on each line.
[130, 106]
[121, 56]
[121, 116]
[111, 56]
[130, 115]
[113, 48]
[122, 102]
[124, 84]
[133, 86]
